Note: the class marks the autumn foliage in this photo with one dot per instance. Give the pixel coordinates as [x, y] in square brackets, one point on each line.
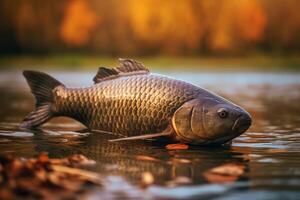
[140, 27]
[78, 22]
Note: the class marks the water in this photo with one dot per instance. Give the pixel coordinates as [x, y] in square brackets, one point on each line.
[270, 150]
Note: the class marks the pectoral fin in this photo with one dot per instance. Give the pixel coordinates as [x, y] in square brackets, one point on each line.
[167, 132]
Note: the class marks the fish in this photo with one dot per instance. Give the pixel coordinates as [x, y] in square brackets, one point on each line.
[131, 102]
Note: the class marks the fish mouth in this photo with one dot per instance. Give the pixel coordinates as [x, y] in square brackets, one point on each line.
[241, 124]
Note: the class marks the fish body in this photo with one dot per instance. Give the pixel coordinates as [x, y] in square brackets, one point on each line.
[130, 101]
[128, 105]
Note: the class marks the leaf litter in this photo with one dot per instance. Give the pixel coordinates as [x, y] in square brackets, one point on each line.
[45, 178]
[61, 178]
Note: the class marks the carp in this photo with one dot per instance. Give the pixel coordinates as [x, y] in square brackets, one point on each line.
[131, 102]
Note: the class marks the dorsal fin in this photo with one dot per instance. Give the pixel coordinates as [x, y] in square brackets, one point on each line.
[105, 74]
[127, 67]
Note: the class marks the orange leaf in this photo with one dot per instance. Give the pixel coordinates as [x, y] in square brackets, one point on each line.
[43, 157]
[146, 158]
[217, 178]
[226, 173]
[177, 146]
[230, 169]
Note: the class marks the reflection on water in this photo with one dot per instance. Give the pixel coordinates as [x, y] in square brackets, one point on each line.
[270, 150]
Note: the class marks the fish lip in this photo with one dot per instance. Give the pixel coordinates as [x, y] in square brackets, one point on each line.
[237, 131]
[236, 122]
[240, 127]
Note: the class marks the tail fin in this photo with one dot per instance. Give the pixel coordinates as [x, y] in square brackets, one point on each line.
[42, 86]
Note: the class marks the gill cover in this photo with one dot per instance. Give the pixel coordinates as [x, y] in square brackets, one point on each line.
[187, 122]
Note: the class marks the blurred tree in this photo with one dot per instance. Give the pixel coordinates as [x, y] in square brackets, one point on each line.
[8, 41]
[78, 23]
[236, 24]
[170, 27]
[283, 29]
[142, 27]
[37, 23]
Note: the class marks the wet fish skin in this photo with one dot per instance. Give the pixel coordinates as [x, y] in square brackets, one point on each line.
[129, 106]
[128, 100]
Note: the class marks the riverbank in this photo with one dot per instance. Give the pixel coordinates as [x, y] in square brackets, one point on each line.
[77, 61]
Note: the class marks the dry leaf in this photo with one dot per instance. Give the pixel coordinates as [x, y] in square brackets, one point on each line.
[177, 146]
[230, 169]
[86, 175]
[76, 159]
[80, 159]
[217, 178]
[41, 178]
[146, 158]
[43, 157]
[224, 173]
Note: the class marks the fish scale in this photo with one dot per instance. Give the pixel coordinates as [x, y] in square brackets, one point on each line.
[128, 100]
[130, 105]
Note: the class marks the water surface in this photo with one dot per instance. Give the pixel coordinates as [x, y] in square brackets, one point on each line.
[270, 150]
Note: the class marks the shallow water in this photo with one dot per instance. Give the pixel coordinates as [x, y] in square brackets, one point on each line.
[270, 150]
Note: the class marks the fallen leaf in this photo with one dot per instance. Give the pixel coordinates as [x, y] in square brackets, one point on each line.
[43, 157]
[225, 173]
[217, 178]
[86, 175]
[177, 146]
[76, 159]
[41, 178]
[230, 169]
[146, 158]
[80, 159]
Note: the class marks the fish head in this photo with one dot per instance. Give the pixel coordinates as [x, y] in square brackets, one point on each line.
[209, 121]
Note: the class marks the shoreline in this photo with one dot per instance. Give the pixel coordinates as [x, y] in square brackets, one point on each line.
[212, 63]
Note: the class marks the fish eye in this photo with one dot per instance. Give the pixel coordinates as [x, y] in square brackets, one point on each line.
[223, 113]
